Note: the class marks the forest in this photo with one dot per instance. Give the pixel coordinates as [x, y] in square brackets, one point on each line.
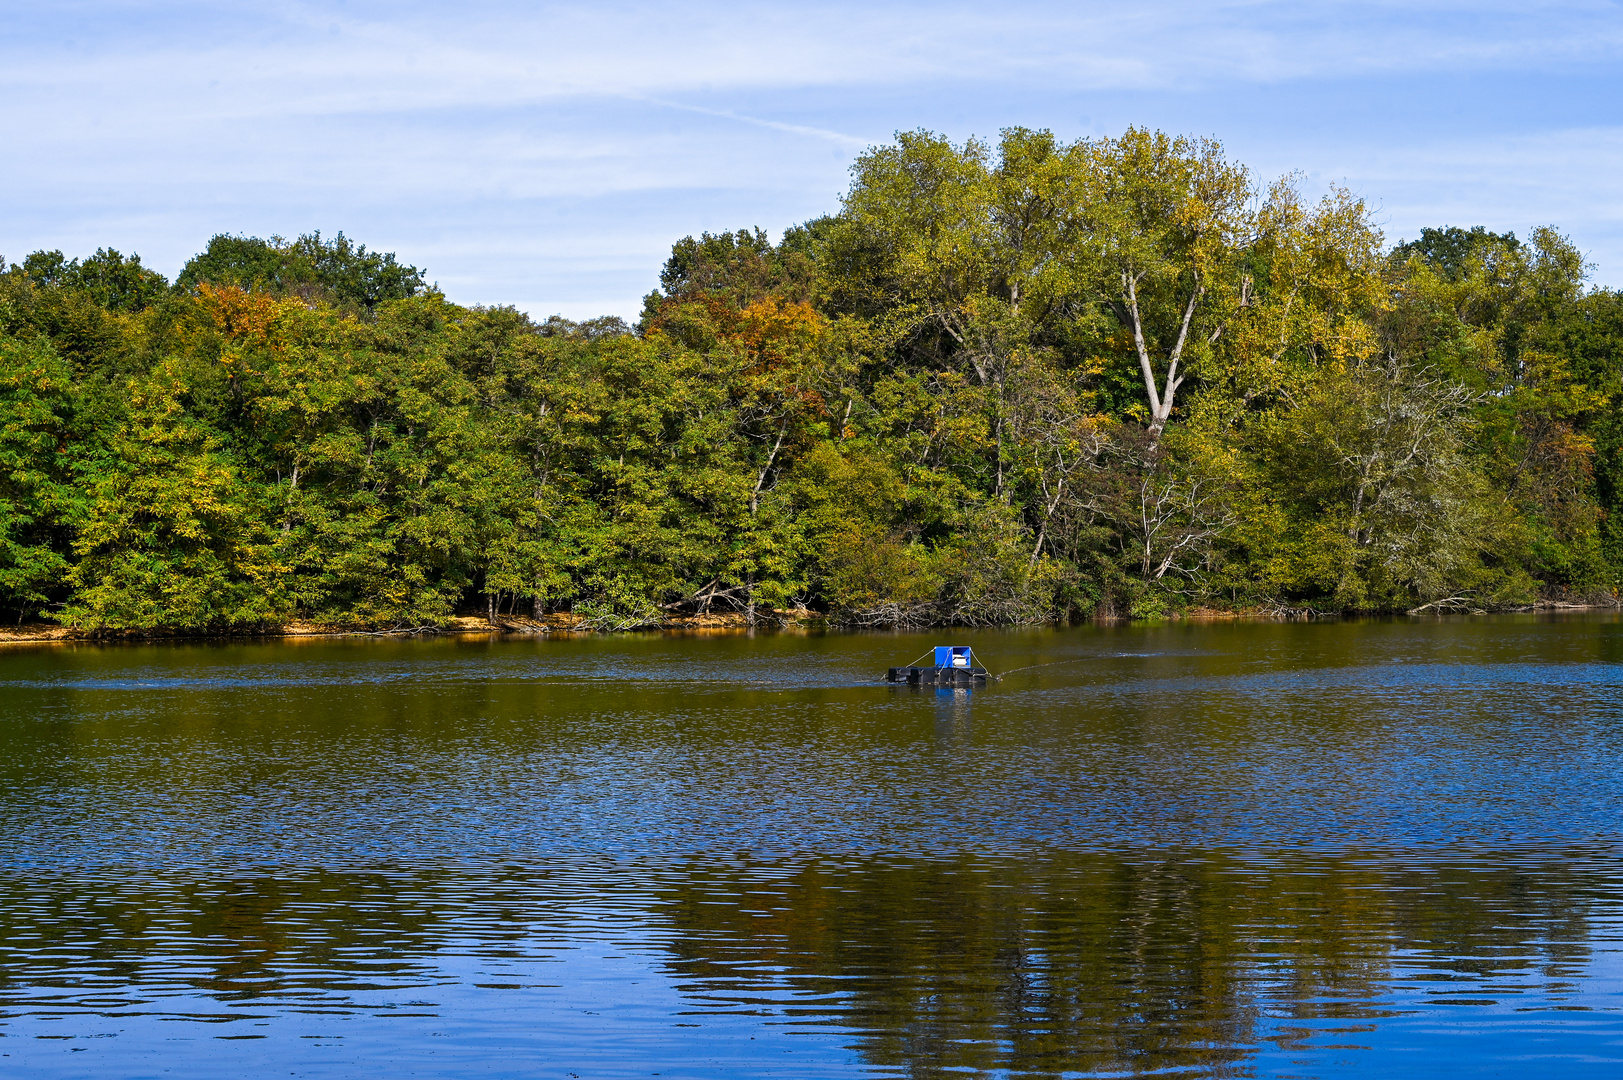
[1015, 382]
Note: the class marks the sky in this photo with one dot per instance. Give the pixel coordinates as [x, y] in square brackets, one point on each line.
[547, 155]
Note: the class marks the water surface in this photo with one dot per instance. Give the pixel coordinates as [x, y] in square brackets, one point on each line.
[1192, 850]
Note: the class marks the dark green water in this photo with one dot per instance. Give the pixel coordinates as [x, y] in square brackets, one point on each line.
[1383, 848]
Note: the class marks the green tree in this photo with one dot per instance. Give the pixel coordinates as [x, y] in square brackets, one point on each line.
[108, 278]
[173, 536]
[1372, 499]
[38, 498]
[1493, 313]
[337, 271]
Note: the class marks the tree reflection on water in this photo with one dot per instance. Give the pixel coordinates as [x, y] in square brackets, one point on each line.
[1054, 963]
[1102, 964]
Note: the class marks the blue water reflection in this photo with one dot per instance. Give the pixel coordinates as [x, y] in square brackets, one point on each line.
[1264, 850]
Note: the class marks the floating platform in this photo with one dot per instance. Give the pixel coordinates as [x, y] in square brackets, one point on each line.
[954, 666]
[937, 676]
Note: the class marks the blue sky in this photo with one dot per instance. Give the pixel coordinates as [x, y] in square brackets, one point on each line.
[547, 155]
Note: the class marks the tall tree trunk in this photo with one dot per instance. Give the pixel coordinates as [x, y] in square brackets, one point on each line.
[1160, 393]
[755, 496]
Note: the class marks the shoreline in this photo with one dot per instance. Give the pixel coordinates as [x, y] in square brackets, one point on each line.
[565, 624]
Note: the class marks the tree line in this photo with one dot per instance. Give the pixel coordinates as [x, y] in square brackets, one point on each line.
[1031, 381]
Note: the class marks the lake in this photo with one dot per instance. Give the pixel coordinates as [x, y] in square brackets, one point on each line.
[1189, 850]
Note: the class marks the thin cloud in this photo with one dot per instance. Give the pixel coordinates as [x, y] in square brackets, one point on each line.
[852, 141]
[307, 60]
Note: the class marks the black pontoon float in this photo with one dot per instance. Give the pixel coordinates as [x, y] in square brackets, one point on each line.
[954, 666]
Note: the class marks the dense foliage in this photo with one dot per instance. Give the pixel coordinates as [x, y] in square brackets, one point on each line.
[1016, 383]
